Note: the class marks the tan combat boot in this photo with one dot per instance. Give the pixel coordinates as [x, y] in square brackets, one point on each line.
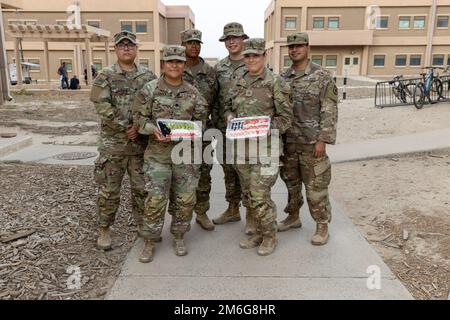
[321, 236]
[104, 238]
[230, 215]
[292, 221]
[147, 251]
[204, 222]
[252, 242]
[250, 223]
[268, 245]
[179, 246]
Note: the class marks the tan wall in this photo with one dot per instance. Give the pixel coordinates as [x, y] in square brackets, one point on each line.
[444, 11]
[339, 52]
[290, 12]
[349, 18]
[390, 53]
[394, 14]
[175, 26]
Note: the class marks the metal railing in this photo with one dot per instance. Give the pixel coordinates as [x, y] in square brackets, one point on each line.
[400, 92]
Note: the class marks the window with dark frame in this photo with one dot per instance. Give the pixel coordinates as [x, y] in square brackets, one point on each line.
[379, 60]
[442, 22]
[126, 26]
[415, 60]
[400, 60]
[290, 23]
[318, 23]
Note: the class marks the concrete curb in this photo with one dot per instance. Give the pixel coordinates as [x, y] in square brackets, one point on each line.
[11, 145]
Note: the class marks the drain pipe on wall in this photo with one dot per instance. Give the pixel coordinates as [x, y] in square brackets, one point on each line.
[431, 29]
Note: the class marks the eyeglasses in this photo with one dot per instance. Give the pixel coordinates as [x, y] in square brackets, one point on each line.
[122, 46]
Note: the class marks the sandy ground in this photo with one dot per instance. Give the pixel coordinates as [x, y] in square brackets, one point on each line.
[401, 205]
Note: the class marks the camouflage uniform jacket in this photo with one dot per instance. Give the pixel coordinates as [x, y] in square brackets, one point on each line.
[205, 82]
[267, 95]
[113, 94]
[315, 98]
[156, 101]
[225, 75]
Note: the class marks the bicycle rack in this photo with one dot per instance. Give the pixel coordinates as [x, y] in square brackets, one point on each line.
[385, 97]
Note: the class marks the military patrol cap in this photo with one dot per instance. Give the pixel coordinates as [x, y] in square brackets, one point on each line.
[174, 53]
[191, 35]
[233, 29]
[255, 46]
[297, 38]
[124, 34]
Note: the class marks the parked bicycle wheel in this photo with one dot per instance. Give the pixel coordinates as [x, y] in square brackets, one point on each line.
[408, 91]
[419, 96]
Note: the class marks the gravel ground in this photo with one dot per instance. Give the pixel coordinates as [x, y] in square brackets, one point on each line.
[401, 206]
[50, 210]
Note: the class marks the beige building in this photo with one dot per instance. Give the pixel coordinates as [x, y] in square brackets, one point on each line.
[393, 37]
[155, 24]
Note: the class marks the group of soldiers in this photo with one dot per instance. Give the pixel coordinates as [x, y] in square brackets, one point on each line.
[302, 105]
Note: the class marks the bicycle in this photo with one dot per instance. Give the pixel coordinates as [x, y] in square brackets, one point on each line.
[401, 90]
[445, 83]
[429, 87]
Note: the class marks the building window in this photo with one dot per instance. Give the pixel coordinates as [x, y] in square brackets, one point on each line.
[319, 23]
[403, 22]
[378, 60]
[382, 22]
[126, 26]
[93, 23]
[419, 22]
[37, 62]
[333, 23]
[68, 64]
[442, 22]
[317, 60]
[438, 59]
[400, 60]
[290, 23]
[144, 62]
[415, 60]
[141, 27]
[98, 65]
[331, 61]
[287, 62]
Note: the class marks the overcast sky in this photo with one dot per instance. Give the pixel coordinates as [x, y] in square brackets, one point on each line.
[212, 15]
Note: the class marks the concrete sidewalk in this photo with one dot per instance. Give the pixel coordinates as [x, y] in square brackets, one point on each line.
[216, 268]
[427, 141]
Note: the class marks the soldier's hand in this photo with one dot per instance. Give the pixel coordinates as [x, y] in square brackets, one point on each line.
[132, 133]
[319, 149]
[230, 118]
[160, 136]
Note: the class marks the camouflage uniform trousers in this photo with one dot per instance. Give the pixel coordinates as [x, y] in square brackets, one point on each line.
[164, 183]
[257, 181]
[233, 190]
[204, 187]
[109, 171]
[299, 166]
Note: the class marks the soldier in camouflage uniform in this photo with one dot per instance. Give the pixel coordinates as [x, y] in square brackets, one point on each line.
[228, 70]
[201, 75]
[121, 147]
[260, 93]
[168, 98]
[305, 160]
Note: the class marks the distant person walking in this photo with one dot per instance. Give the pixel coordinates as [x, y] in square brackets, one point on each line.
[62, 71]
